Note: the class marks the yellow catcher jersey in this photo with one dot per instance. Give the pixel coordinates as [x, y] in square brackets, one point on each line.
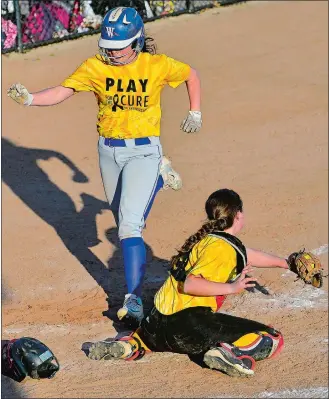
[213, 259]
[128, 96]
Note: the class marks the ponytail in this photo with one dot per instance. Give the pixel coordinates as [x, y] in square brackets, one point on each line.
[207, 228]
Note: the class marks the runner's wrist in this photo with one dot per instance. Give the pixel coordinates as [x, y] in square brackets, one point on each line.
[29, 100]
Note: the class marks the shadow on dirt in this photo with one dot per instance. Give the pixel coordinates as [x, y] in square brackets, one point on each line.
[10, 388]
[77, 230]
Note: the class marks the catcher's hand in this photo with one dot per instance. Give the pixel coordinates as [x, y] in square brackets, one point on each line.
[307, 267]
[20, 94]
[192, 123]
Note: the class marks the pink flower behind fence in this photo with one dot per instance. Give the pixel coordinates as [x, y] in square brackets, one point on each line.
[10, 31]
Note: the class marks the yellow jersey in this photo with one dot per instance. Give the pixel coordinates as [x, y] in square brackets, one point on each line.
[128, 96]
[211, 258]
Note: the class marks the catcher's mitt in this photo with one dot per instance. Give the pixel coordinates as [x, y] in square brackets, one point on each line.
[307, 267]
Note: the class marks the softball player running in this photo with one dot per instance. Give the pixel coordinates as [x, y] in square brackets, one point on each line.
[127, 78]
[185, 318]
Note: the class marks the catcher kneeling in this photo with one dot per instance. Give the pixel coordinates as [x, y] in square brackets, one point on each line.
[211, 264]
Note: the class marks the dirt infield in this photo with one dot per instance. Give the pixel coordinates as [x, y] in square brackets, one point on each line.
[264, 70]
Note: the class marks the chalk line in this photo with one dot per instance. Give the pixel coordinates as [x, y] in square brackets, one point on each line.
[321, 250]
[320, 392]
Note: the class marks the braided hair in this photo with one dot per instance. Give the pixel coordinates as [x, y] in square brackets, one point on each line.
[221, 207]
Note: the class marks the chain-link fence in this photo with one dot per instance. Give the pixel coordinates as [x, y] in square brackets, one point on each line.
[32, 23]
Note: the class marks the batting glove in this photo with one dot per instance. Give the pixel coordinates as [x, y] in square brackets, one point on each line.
[20, 94]
[192, 123]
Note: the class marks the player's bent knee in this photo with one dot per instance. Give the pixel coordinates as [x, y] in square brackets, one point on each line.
[125, 232]
[260, 346]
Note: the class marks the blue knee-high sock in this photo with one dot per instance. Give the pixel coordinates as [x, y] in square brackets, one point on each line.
[134, 259]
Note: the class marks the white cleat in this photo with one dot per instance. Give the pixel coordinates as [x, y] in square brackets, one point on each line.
[170, 177]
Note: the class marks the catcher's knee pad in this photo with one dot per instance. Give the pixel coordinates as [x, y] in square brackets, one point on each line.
[259, 346]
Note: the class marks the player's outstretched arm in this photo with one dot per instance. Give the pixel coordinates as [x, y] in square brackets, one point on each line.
[46, 97]
[261, 259]
[193, 122]
[194, 90]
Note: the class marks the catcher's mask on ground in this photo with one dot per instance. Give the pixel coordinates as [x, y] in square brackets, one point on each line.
[28, 357]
